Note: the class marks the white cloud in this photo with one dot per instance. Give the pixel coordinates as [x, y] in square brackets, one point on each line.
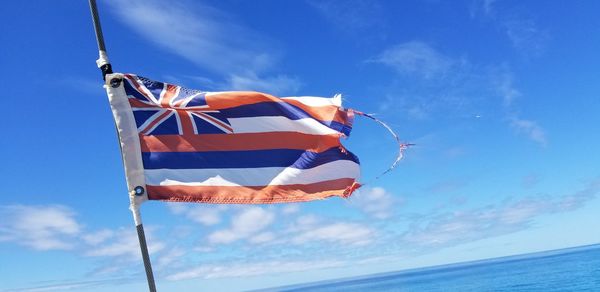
[279, 85]
[303, 222]
[168, 258]
[125, 245]
[463, 93]
[416, 58]
[68, 286]
[236, 270]
[503, 82]
[98, 237]
[346, 233]
[376, 202]
[353, 16]
[49, 227]
[493, 220]
[262, 237]
[446, 186]
[177, 208]
[523, 32]
[246, 223]
[205, 215]
[291, 208]
[530, 128]
[202, 34]
[525, 35]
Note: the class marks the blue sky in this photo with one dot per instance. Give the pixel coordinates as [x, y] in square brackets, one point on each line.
[501, 98]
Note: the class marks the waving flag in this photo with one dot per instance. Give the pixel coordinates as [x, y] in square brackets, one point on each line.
[230, 147]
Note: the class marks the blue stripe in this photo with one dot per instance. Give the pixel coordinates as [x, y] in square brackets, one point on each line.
[299, 159]
[287, 110]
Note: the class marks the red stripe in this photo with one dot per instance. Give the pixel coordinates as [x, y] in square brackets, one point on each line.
[236, 142]
[231, 99]
[253, 194]
[322, 113]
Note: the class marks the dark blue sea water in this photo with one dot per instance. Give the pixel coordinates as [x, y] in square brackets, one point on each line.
[576, 269]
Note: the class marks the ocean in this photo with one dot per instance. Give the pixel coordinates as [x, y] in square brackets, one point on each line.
[574, 269]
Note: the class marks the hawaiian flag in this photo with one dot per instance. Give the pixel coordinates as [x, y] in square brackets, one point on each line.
[244, 147]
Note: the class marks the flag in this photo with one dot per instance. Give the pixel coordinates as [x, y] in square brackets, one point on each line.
[243, 147]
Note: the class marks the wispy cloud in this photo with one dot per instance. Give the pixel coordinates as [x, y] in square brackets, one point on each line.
[291, 208]
[71, 285]
[446, 186]
[531, 129]
[430, 84]
[353, 17]
[42, 227]
[123, 243]
[211, 39]
[526, 36]
[237, 270]
[205, 215]
[376, 202]
[503, 82]
[199, 33]
[510, 216]
[246, 223]
[345, 233]
[310, 229]
[530, 180]
[279, 84]
[416, 58]
[523, 32]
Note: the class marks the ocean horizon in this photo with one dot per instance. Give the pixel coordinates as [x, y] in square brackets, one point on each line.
[568, 269]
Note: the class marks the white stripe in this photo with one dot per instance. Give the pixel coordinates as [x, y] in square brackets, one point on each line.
[193, 123]
[179, 123]
[261, 176]
[317, 101]
[279, 124]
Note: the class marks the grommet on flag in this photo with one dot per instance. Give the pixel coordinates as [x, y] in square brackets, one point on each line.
[139, 190]
[115, 82]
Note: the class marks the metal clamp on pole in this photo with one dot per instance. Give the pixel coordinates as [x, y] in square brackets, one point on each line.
[102, 62]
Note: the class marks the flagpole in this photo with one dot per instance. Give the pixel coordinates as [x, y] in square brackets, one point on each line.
[137, 218]
[102, 62]
[106, 68]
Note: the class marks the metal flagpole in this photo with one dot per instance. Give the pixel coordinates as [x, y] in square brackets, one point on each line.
[104, 65]
[102, 62]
